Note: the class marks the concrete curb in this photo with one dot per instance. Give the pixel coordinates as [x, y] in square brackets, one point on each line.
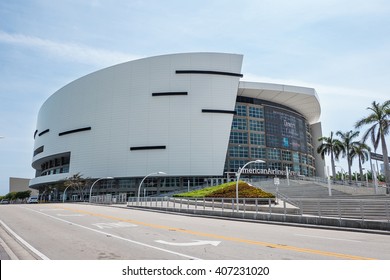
[5, 251]
[12, 247]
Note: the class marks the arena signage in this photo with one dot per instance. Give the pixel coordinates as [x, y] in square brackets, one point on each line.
[265, 171]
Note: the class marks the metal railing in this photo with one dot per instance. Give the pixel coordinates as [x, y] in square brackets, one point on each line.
[357, 209]
[108, 199]
[348, 208]
[212, 205]
[381, 188]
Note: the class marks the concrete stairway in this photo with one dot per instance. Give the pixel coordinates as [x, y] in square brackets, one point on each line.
[299, 189]
[314, 199]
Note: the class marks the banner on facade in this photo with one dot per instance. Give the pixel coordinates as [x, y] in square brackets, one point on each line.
[265, 171]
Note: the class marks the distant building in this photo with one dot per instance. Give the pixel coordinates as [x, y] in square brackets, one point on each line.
[382, 169]
[188, 115]
[20, 185]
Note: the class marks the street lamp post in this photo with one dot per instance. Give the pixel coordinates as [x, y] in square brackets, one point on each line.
[238, 177]
[365, 169]
[288, 176]
[90, 191]
[375, 179]
[342, 173]
[64, 194]
[328, 175]
[139, 188]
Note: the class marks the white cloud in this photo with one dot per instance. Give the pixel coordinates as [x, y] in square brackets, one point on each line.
[323, 89]
[341, 107]
[70, 51]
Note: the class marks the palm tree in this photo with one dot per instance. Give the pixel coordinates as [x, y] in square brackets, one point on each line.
[348, 144]
[379, 119]
[361, 151]
[330, 146]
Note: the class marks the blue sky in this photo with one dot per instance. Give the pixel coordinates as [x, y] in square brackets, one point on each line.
[341, 48]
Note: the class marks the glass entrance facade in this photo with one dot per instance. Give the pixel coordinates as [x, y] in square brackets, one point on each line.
[271, 132]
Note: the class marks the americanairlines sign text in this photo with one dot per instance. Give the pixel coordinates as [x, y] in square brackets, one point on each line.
[269, 171]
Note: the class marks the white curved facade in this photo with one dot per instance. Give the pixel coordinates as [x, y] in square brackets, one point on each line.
[139, 117]
[170, 113]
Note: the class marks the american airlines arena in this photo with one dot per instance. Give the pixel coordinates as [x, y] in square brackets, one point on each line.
[189, 115]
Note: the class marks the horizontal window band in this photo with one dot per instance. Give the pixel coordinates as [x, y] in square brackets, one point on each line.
[173, 93]
[218, 111]
[74, 131]
[36, 164]
[209, 72]
[43, 132]
[147, 148]
[38, 150]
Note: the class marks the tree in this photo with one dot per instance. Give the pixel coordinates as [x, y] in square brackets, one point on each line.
[348, 144]
[379, 119]
[17, 195]
[330, 146]
[361, 150]
[78, 183]
[23, 194]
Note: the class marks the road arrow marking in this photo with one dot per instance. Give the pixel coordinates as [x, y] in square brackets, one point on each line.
[194, 243]
[116, 236]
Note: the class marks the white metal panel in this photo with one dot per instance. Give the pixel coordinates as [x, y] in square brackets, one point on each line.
[301, 99]
[118, 105]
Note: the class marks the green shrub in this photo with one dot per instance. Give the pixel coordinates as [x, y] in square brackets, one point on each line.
[202, 192]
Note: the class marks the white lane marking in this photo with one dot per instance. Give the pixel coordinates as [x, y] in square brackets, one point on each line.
[24, 242]
[118, 237]
[114, 225]
[330, 238]
[70, 215]
[51, 209]
[194, 243]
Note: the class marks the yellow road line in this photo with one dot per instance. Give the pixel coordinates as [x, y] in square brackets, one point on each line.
[226, 238]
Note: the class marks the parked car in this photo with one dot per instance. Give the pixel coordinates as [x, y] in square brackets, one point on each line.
[32, 199]
[4, 201]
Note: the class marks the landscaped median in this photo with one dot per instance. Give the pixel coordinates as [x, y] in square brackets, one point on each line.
[228, 190]
[219, 200]
[223, 198]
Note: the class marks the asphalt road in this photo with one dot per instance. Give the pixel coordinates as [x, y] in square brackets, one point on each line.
[90, 232]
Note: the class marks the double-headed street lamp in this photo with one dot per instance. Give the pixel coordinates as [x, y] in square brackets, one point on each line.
[90, 191]
[139, 188]
[238, 176]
